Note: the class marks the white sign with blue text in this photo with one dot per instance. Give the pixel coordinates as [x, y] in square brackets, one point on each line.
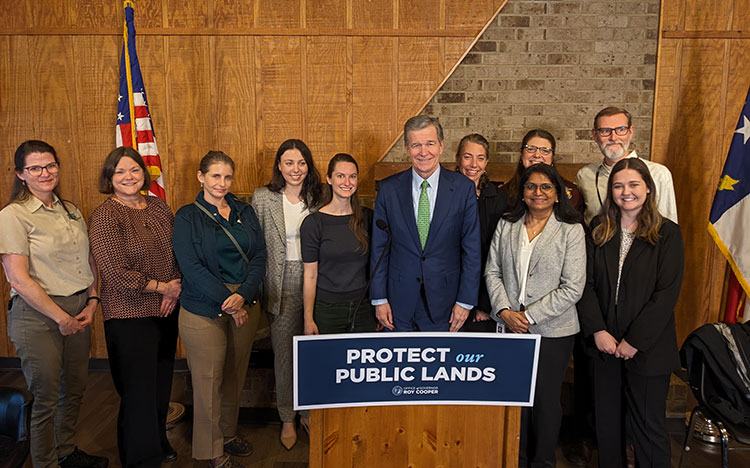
[376, 369]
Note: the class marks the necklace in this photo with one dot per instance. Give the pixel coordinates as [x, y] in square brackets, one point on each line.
[140, 204]
[535, 228]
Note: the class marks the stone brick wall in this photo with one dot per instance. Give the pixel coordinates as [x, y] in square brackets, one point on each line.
[552, 65]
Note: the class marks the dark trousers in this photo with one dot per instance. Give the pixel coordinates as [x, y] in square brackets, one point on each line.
[421, 319]
[141, 359]
[583, 393]
[540, 424]
[625, 399]
[337, 317]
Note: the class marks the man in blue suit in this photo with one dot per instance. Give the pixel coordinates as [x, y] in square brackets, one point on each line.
[429, 276]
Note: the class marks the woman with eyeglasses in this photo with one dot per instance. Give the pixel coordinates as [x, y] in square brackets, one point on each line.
[44, 248]
[535, 274]
[635, 265]
[472, 157]
[538, 146]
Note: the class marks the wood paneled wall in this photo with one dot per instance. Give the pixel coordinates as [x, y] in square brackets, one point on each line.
[240, 76]
[703, 74]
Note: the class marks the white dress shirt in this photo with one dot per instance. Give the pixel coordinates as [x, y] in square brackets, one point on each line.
[595, 191]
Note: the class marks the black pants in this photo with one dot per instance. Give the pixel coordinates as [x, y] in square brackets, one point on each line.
[583, 393]
[337, 317]
[625, 399]
[141, 359]
[540, 424]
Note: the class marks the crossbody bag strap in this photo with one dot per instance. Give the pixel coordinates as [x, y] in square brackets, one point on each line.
[226, 231]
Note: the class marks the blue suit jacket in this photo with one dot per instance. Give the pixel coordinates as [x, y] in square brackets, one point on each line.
[450, 264]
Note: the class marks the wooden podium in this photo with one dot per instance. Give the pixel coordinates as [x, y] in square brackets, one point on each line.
[415, 436]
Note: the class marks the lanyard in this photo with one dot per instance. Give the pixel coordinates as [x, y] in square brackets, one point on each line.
[596, 182]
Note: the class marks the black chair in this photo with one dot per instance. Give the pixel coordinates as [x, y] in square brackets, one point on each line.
[739, 432]
[15, 417]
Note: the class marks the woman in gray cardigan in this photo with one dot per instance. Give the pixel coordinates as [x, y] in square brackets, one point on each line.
[535, 273]
[281, 207]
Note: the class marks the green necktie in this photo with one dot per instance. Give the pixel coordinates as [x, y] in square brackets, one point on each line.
[423, 214]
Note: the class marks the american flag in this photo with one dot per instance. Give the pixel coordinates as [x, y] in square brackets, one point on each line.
[134, 128]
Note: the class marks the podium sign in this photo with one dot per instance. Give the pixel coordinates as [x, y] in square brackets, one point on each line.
[376, 369]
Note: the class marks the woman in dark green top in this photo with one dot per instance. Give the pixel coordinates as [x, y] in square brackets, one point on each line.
[221, 251]
[335, 245]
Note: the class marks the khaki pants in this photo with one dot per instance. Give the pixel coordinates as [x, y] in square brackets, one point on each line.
[56, 369]
[218, 354]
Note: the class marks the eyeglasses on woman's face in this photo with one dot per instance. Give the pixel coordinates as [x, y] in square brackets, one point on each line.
[532, 187]
[36, 171]
[531, 149]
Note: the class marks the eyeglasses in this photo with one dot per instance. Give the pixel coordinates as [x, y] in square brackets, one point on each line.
[605, 132]
[544, 150]
[532, 187]
[430, 145]
[36, 171]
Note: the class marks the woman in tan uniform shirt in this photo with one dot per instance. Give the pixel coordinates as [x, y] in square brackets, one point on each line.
[45, 254]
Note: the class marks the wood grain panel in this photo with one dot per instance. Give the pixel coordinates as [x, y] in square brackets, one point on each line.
[234, 107]
[326, 14]
[459, 13]
[740, 17]
[190, 123]
[17, 123]
[97, 76]
[148, 14]
[233, 13]
[278, 14]
[419, 71]
[54, 106]
[421, 14]
[711, 15]
[15, 127]
[367, 14]
[278, 64]
[15, 15]
[49, 15]
[327, 98]
[701, 74]
[98, 61]
[664, 95]
[95, 14]
[372, 94]
[672, 15]
[187, 14]
[418, 436]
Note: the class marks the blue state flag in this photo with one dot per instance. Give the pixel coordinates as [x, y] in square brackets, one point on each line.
[729, 222]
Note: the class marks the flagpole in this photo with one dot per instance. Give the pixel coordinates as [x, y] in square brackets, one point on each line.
[128, 73]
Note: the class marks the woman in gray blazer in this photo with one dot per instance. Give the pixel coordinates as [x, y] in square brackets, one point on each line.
[281, 207]
[535, 274]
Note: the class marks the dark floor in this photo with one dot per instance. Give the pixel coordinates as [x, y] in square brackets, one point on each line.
[96, 433]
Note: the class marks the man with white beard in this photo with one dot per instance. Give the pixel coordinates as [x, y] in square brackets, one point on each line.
[613, 130]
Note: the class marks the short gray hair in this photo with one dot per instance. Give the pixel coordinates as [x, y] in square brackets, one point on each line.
[418, 122]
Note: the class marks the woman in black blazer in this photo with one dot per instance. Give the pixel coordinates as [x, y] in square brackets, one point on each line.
[472, 157]
[635, 267]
